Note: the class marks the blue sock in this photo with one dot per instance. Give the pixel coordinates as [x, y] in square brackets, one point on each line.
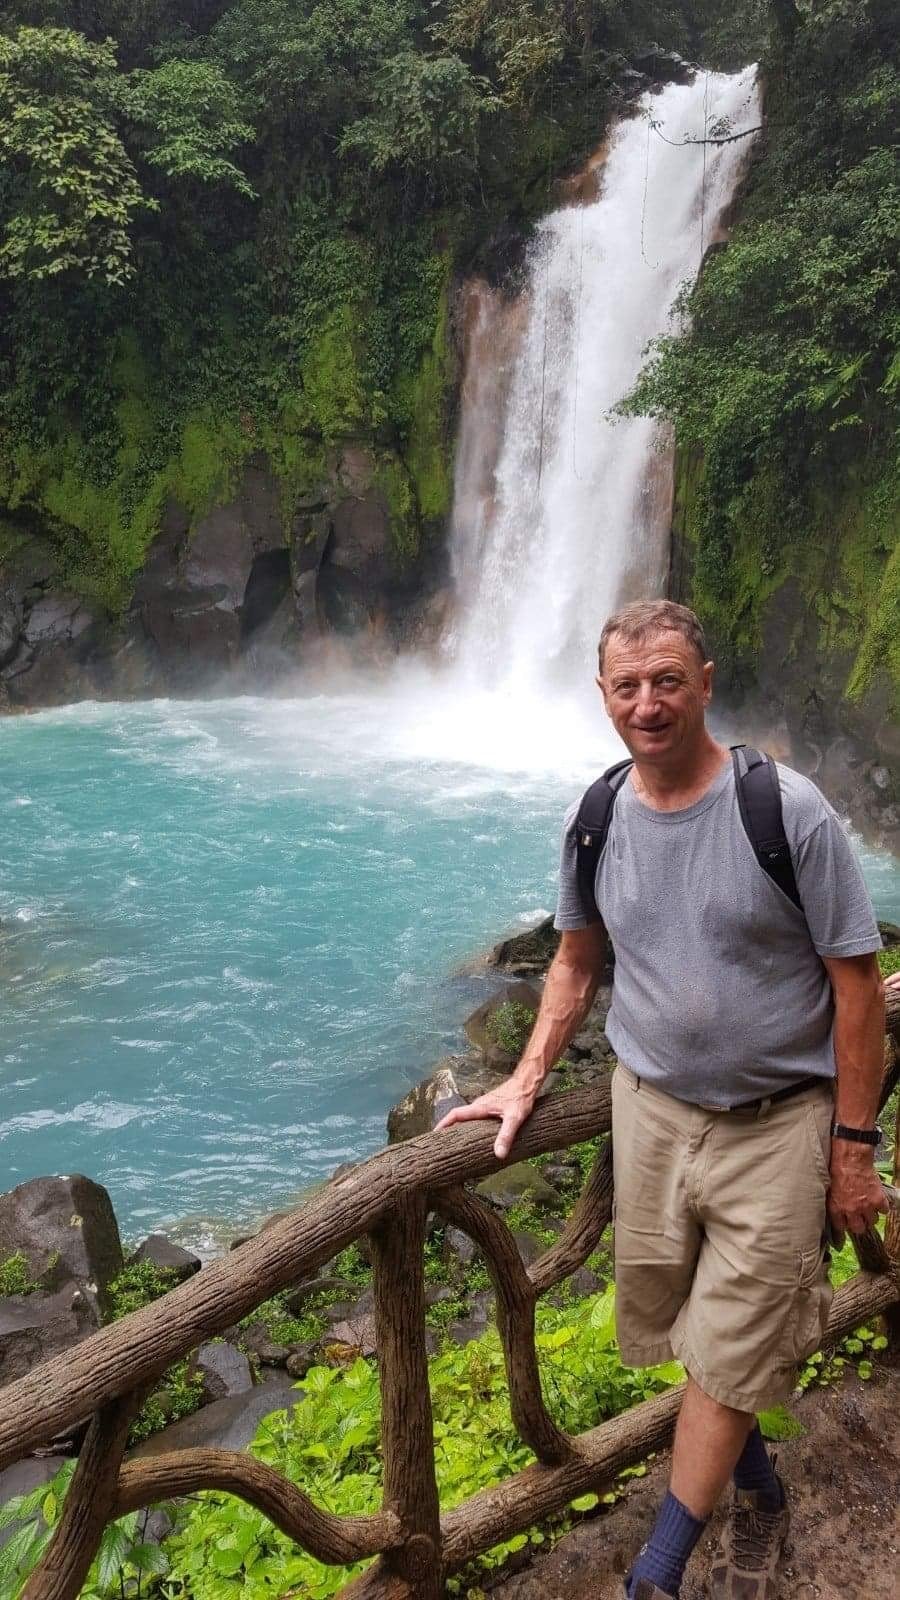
[665, 1555]
[754, 1470]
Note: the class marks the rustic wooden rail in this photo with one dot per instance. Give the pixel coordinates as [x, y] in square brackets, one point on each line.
[388, 1198]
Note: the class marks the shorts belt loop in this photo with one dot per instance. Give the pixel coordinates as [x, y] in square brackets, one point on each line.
[764, 1106]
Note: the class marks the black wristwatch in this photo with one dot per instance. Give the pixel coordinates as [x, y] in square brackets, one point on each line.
[856, 1135]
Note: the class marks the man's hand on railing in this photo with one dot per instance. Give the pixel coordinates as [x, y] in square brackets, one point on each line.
[512, 1103]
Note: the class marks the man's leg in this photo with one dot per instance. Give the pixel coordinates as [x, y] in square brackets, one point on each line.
[709, 1440]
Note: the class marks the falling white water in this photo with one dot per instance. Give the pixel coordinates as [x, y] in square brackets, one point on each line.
[561, 511]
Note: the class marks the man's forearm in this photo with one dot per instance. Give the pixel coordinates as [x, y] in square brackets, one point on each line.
[859, 1055]
[572, 982]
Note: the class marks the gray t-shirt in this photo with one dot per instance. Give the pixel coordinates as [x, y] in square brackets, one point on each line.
[719, 994]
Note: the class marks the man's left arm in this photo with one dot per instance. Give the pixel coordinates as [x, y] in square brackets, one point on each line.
[856, 1195]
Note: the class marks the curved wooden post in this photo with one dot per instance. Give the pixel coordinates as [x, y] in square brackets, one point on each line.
[90, 1505]
[892, 1244]
[407, 1436]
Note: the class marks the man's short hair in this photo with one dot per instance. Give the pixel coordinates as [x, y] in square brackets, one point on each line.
[643, 618]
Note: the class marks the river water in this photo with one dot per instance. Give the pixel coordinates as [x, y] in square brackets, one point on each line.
[230, 931]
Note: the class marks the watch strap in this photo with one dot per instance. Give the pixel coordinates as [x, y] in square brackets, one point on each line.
[870, 1136]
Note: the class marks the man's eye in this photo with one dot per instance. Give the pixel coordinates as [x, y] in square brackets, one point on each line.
[668, 682]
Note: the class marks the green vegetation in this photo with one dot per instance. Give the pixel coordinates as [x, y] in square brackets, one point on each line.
[138, 1285]
[510, 1025]
[15, 1277]
[782, 384]
[179, 1393]
[230, 229]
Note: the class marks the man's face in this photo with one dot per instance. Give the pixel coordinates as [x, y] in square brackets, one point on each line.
[656, 693]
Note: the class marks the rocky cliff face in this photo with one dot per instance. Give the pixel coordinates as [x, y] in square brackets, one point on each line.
[237, 599]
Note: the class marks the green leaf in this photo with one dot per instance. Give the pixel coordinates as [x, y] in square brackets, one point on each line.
[227, 1560]
[778, 1423]
[585, 1502]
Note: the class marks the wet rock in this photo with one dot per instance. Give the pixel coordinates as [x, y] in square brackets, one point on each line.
[11, 615]
[343, 600]
[662, 66]
[270, 1354]
[274, 646]
[57, 618]
[478, 1025]
[296, 1301]
[529, 952]
[220, 556]
[437, 1294]
[223, 1369]
[302, 1357]
[34, 1327]
[66, 1229]
[562, 1174]
[360, 540]
[228, 1424]
[357, 1333]
[481, 1312]
[458, 1248]
[166, 1256]
[529, 1246]
[583, 1283]
[520, 1182]
[454, 1082]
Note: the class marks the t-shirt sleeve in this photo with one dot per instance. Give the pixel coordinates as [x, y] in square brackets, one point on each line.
[833, 890]
[569, 913]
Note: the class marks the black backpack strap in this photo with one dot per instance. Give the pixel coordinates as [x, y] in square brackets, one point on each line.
[591, 832]
[759, 800]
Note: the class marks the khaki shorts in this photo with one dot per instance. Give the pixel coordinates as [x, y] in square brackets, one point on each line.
[721, 1257]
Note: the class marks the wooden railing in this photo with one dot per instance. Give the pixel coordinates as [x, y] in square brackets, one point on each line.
[389, 1199]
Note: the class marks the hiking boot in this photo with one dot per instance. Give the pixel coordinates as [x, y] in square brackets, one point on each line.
[746, 1563]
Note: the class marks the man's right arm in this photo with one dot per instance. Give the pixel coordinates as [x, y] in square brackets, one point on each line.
[572, 982]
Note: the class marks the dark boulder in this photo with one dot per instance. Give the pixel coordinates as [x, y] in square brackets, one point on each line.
[459, 1250]
[66, 1229]
[166, 1256]
[454, 1082]
[478, 1026]
[511, 1185]
[11, 615]
[302, 1357]
[34, 1327]
[528, 952]
[224, 1370]
[356, 1333]
[229, 1424]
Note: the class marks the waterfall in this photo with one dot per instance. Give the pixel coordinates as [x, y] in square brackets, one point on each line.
[561, 512]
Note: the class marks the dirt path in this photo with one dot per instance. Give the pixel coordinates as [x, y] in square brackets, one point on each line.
[843, 1483]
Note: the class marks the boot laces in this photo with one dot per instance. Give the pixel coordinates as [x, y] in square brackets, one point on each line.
[752, 1536]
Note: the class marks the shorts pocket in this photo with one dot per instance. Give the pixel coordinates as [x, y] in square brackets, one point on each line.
[812, 1304]
[818, 1123]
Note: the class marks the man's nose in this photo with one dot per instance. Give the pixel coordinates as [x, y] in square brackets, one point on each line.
[647, 699]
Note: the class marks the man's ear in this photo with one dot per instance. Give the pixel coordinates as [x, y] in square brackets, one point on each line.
[709, 668]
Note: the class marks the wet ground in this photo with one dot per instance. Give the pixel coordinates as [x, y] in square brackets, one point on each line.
[843, 1483]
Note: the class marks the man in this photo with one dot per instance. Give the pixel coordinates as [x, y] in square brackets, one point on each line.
[732, 1012]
